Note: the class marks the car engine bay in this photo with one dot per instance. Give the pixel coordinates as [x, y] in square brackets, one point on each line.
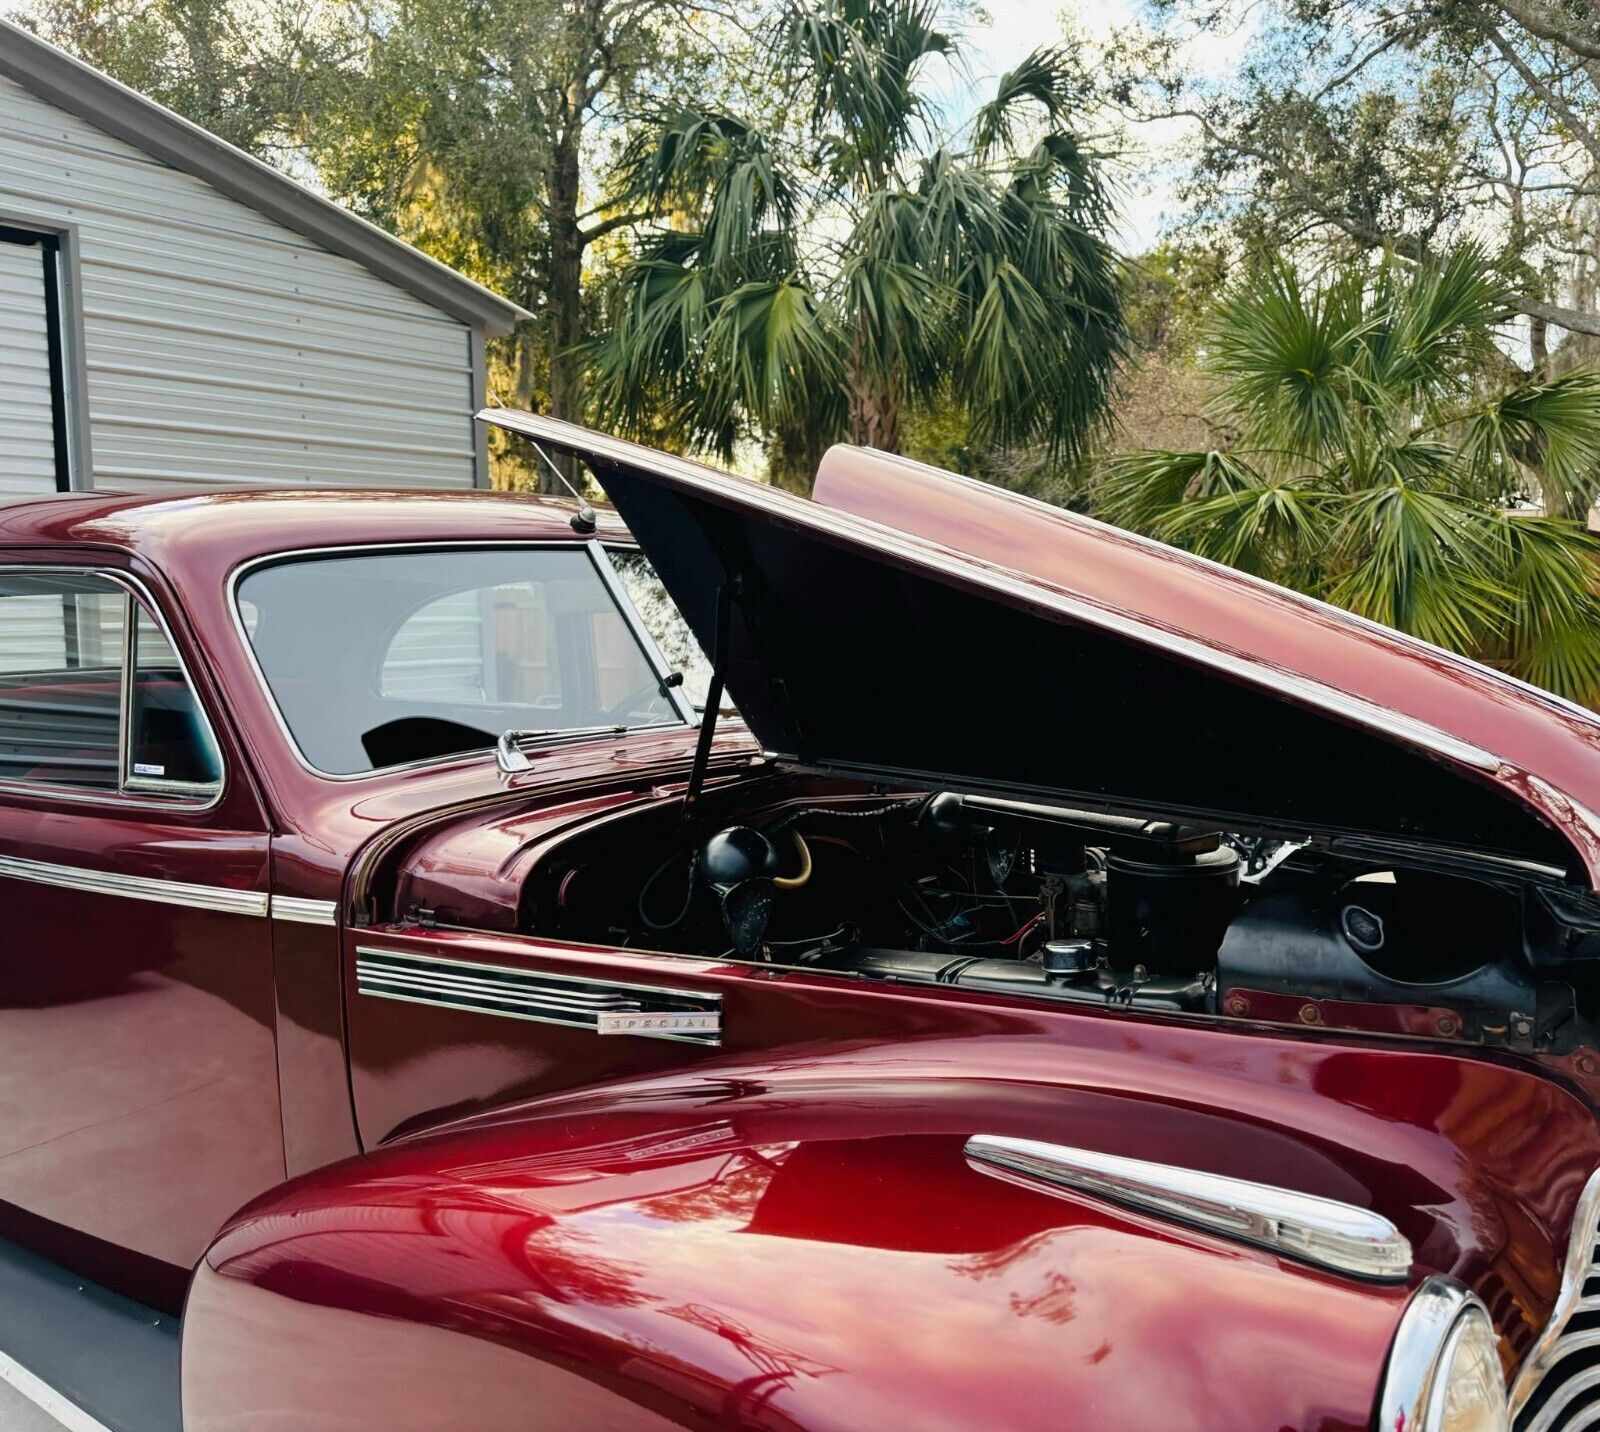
[986, 893]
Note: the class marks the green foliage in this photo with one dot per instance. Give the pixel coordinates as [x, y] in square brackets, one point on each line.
[1386, 463]
[243, 71]
[836, 279]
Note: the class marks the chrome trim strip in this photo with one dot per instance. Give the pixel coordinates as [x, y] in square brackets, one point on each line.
[136, 887]
[584, 981]
[299, 911]
[1410, 1396]
[1320, 1231]
[687, 1016]
[491, 989]
[1582, 1260]
[239, 573]
[47, 1398]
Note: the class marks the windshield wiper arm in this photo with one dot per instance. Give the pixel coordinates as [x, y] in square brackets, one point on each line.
[512, 759]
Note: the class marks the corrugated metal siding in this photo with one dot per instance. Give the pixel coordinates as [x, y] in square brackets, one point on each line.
[224, 348]
[27, 434]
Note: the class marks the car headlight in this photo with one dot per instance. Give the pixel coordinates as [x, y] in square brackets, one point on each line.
[1444, 1367]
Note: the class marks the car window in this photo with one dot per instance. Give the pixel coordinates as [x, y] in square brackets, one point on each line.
[378, 659]
[71, 714]
[170, 745]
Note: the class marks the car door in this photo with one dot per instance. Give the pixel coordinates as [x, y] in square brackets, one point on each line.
[138, 1087]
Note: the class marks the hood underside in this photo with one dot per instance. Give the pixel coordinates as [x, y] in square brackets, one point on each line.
[854, 647]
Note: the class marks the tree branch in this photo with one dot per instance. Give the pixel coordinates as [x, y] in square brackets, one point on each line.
[1572, 319]
[1557, 106]
[1545, 22]
[607, 226]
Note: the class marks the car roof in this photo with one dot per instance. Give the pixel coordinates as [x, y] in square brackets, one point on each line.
[227, 527]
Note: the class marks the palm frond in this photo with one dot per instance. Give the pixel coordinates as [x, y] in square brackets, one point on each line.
[1141, 490]
[1284, 350]
[1043, 84]
[861, 60]
[1543, 435]
[1434, 325]
[1426, 562]
[1264, 530]
[1554, 636]
[773, 350]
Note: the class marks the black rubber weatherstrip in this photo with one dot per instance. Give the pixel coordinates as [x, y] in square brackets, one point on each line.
[112, 1357]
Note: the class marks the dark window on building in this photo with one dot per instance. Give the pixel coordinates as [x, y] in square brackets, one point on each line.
[33, 390]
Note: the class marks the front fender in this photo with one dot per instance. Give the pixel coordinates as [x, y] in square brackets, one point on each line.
[729, 1256]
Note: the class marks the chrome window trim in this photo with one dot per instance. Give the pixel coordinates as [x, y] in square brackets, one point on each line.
[1304, 1227]
[136, 887]
[1409, 1392]
[298, 910]
[1581, 1261]
[163, 796]
[272, 559]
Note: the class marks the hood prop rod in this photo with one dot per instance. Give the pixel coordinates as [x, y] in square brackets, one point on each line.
[708, 718]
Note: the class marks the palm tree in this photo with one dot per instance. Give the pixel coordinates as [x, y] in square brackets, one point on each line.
[819, 283]
[1387, 455]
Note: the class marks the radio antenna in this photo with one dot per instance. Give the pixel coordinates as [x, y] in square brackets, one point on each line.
[583, 520]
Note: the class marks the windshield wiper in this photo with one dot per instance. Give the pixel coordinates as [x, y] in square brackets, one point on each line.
[511, 758]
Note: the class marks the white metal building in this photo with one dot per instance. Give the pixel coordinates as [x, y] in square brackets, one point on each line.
[175, 314]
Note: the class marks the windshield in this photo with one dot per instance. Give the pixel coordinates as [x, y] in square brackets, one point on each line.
[380, 659]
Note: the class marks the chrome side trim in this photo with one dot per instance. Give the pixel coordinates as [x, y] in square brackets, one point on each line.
[300, 911]
[599, 1006]
[1559, 1338]
[136, 887]
[1320, 1231]
[45, 1397]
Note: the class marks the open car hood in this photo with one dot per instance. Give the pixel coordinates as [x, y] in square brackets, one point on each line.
[910, 625]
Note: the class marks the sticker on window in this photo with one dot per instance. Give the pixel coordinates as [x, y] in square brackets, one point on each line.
[144, 768]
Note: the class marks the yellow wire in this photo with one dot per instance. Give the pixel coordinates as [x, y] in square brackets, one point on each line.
[794, 882]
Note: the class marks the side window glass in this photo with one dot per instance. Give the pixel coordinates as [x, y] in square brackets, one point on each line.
[170, 745]
[61, 652]
[90, 704]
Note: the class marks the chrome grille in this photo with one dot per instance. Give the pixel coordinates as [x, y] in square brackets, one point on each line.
[1557, 1388]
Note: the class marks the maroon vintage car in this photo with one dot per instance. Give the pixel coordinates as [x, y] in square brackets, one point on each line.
[1082, 987]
